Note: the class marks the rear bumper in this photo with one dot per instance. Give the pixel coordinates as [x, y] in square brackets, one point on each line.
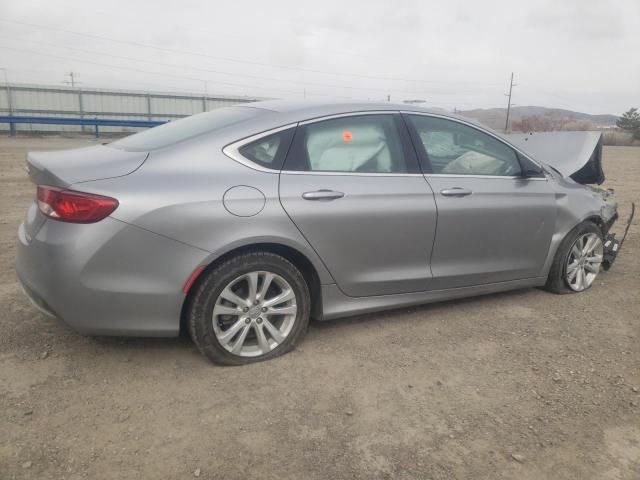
[36, 301]
[107, 278]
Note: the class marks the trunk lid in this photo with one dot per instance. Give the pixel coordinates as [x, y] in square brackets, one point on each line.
[63, 168]
[577, 155]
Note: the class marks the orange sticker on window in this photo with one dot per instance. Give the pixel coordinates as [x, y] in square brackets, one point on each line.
[347, 136]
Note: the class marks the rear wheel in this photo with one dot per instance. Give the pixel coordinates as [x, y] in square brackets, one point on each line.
[578, 260]
[250, 308]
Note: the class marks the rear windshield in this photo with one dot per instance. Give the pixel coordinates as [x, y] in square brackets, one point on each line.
[185, 128]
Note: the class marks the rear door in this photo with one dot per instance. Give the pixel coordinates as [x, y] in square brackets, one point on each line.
[352, 186]
[494, 223]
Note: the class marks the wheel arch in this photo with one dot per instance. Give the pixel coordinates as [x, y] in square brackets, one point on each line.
[294, 255]
[566, 223]
[598, 221]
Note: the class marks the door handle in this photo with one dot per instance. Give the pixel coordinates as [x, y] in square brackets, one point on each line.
[456, 192]
[322, 195]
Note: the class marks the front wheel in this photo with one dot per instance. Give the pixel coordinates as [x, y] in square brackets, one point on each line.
[578, 260]
[250, 308]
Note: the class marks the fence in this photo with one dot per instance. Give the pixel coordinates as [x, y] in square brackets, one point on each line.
[89, 105]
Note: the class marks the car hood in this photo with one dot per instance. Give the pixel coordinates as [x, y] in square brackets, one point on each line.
[577, 155]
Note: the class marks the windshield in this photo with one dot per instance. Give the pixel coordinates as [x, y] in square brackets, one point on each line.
[185, 128]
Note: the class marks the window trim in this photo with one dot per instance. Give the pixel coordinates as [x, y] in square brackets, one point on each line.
[462, 175]
[232, 150]
[351, 174]
[346, 114]
[408, 151]
[423, 157]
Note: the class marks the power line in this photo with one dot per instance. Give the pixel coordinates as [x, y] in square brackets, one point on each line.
[208, 70]
[181, 90]
[296, 38]
[557, 97]
[247, 62]
[47, 73]
[119, 67]
[201, 80]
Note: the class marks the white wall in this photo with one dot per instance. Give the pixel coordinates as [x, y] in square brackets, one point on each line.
[53, 101]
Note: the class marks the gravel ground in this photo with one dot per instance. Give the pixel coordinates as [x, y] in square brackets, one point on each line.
[522, 385]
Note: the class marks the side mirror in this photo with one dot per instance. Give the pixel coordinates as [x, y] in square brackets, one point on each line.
[529, 168]
[532, 171]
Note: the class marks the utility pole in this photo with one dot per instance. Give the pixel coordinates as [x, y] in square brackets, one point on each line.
[12, 126]
[509, 104]
[73, 81]
[204, 98]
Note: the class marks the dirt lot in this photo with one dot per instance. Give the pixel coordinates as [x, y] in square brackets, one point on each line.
[522, 385]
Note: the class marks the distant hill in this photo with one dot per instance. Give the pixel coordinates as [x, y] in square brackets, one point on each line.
[495, 117]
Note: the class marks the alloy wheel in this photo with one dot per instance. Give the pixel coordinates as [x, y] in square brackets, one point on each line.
[583, 264]
[254, 313]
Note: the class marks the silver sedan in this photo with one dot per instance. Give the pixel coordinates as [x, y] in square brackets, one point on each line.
[240, 224]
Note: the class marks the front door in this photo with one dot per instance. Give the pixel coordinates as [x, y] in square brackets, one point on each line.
[494, 223]
[353, 188]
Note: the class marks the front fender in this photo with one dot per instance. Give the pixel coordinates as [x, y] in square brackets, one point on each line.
[576, 204]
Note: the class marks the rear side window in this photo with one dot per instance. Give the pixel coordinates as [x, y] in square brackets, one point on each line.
[457, 149]
[186, 128]
[354, 144]
[269, 151]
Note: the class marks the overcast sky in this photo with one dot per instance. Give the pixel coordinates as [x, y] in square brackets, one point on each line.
[577, 54]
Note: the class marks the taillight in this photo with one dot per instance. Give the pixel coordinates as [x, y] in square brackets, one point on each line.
[72, 206]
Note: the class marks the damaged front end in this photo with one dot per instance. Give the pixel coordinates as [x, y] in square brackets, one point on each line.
[609, 215]
[611, 244]
[578, 156]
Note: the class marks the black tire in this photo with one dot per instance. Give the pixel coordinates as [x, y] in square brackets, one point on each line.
[556, 281]
[207, 290]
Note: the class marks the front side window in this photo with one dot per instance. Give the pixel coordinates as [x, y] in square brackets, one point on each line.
[354, 144]
[457, 149]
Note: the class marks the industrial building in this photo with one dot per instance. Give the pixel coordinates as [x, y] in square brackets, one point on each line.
[90, 104]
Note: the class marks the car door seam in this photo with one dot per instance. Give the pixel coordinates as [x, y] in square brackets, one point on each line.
[303, 235]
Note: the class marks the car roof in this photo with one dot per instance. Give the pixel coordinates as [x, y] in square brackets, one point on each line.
[301, 110]
[312, 108]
